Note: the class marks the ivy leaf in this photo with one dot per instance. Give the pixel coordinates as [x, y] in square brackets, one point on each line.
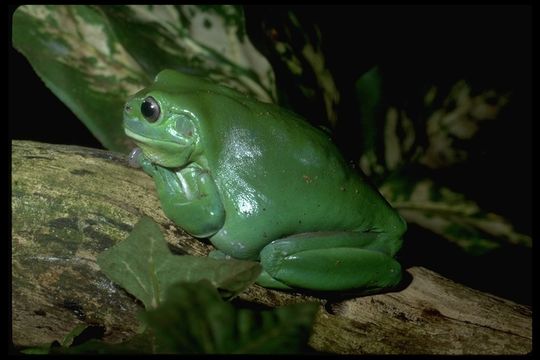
[68, 339]
[194, 319]
[139, 344]
[93, 57]
[38, 350]
[65, 343]
[144, 266]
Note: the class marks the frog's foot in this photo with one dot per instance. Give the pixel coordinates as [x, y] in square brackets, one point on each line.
[328, 262]
[268, 281]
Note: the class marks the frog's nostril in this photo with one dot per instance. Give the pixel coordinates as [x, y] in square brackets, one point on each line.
[127, 108]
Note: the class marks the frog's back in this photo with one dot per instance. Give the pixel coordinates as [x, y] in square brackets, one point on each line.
[279, 176]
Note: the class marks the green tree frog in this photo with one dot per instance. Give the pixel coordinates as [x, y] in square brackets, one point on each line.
[262, 184]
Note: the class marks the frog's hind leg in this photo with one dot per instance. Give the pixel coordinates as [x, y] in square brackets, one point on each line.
[329, 261]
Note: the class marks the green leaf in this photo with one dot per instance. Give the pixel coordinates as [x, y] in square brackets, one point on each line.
[93, 57]
[388, 134]
[138, 344]
[450, 214]
[202, 39]
[68, 339]
[369, 92]
[411, 131]
[435, 126]
[65, 343]
[455, 120]
[75, 52]
[194, 319]
[38, 350]
[144, 266]
[295, 43]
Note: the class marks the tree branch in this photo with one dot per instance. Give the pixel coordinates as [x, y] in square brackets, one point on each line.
[70, 203]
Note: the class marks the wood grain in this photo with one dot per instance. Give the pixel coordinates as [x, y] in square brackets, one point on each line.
[70, 203]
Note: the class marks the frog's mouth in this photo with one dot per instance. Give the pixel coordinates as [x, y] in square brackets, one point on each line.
[165, 145]
[165, 153]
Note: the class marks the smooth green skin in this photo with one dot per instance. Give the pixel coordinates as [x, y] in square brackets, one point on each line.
[263, 184]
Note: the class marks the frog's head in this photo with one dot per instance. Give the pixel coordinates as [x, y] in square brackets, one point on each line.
[166, 131]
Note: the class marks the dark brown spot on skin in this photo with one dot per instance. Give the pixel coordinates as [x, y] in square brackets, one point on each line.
[40, 312]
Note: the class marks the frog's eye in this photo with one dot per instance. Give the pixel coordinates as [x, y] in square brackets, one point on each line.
[150, 109]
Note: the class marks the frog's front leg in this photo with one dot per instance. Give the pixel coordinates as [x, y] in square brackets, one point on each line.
[329, 261]
[189, 197]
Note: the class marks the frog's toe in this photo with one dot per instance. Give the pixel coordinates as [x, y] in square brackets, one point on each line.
[147, 165]
[268, 281]
[134, 157]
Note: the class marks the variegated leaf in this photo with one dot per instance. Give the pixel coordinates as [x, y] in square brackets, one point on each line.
[388, 134]
[202, 39]
[78, 56]
[437, 134]
[451, 126]
[451, 215]
[93, 57]
[297, 47]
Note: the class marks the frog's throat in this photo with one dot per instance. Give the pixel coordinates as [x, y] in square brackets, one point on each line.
[164, 144]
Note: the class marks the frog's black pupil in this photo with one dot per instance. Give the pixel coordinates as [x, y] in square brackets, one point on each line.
[150, 109]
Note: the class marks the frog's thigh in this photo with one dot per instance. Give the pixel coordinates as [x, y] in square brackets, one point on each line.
[329, 261]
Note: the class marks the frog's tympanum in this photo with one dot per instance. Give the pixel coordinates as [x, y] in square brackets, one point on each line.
[262, 184]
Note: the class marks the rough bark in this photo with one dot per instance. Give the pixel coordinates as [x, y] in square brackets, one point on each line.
[70, 203]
